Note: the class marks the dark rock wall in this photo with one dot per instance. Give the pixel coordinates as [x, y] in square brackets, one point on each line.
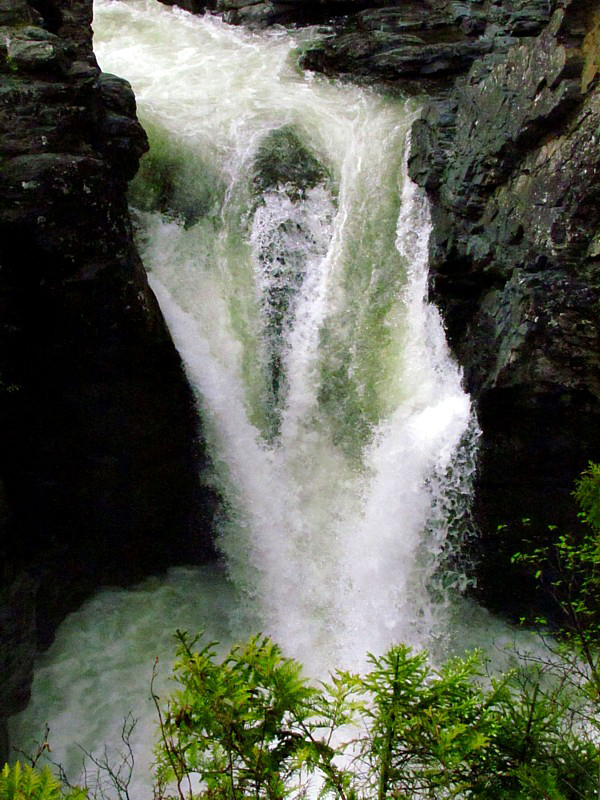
[508, 149]
[512, 163]
[100, 454]
[421, 45]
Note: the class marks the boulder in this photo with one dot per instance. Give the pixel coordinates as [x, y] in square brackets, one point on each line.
[283, 161]
[284, 170]
[398, 43]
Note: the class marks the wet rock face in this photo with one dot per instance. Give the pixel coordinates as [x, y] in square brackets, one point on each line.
[512, 164]
[284, 161]
[421, 45]
[400, 42]
[284, 171]
[98, 465]
[262, 13]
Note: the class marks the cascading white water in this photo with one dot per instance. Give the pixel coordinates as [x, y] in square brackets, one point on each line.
[324, 536]
[339, 469]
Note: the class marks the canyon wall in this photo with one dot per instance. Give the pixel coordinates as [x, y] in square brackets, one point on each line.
[511, 161]
[100, 448]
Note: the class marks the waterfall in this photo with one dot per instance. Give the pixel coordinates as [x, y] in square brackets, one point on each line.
[300, 314]
[341, 439]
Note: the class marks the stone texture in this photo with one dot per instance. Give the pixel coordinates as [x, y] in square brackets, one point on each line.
[100, 450]
[421, 46]
[512, 164]
[423, 40]
[283, 166]
[284, 161]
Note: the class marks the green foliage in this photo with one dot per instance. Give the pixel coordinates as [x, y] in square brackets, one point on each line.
[587, 494]
[253, 727]
[450, 733]
[26, 783]
[540, 742]
[248, 726]
[567, 568]
[427, 729]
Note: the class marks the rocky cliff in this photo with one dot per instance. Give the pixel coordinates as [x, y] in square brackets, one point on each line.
[98, 467]
[508, 150]
[511, 161]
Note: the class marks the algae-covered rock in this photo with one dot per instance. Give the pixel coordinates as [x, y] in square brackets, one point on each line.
[170, 181]
[292, 190]
[282, 160]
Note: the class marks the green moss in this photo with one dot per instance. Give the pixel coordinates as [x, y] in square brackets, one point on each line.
[284, 160]
[174, 181]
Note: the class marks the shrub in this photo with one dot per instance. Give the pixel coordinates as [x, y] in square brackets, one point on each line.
[253, 727]
[567, 569]
[22, 782]
[587, 494]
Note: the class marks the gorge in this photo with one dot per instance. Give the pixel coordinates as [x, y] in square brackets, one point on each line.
[321, 365]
